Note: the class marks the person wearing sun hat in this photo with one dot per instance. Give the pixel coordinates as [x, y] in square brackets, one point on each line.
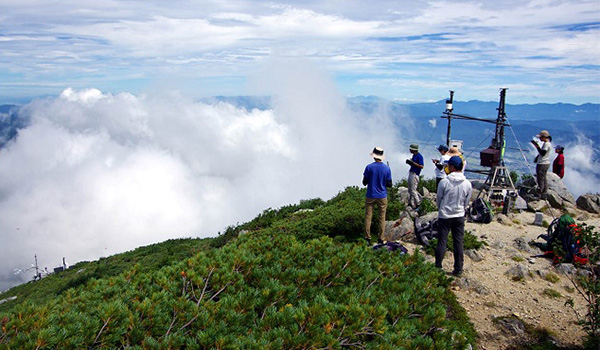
[440, 163]
[416, 165]
[558, 166]
[452, 198]
[542, 162]
[377, 177]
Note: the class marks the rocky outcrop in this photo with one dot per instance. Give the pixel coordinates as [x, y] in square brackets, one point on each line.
[589, 202]
[558, 190]
[558, 195]
[401, 229]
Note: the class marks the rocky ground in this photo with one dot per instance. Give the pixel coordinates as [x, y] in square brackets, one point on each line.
[503, 288]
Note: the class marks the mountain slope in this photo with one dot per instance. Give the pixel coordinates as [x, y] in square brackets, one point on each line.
[283, 283]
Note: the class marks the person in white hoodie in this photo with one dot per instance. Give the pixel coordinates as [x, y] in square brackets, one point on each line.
[453, 195]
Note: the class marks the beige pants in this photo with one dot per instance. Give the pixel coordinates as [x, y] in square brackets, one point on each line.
[414, 197]
[382, 205]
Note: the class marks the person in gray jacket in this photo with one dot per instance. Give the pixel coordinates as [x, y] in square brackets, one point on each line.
[453, 195]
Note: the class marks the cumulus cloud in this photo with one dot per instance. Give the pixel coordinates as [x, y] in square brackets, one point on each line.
[582, 166]
[97, 173]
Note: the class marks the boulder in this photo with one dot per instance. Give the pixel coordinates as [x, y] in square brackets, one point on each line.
[589, 202]
[429, 216]
[403, 194]
[520, 203]
[556, 185]
[536, 206]
[558, 195]
[401, 229]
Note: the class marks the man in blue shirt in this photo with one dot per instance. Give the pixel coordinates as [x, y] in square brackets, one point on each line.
[416, 164]
[377, 176]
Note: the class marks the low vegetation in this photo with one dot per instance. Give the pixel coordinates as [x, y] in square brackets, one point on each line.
[294, 278]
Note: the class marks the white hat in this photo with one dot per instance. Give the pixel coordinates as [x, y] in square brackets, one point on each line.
[378, 153]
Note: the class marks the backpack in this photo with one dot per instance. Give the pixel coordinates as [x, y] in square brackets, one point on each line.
[391, 246]
[480, 211]
[562, 241]
[426, 231]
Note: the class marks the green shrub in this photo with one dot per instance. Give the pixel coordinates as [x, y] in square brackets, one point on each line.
[589, 285]
[426, 206]
[470, 241]
[261, 291]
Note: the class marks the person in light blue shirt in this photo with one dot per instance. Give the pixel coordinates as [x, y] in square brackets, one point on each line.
[377, 177]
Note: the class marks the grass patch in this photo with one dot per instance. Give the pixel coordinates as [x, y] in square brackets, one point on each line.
[552, 277]
[551, 293]
[518, 258]
[490, 304]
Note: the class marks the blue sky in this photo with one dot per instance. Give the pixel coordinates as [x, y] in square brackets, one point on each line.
[542, 50]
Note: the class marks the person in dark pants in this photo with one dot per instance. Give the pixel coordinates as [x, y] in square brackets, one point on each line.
[453, 195]
[377, 177]
[543, 162]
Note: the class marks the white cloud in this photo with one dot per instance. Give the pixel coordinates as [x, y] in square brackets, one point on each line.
[111, 43]
[582, 166]
[96, 173]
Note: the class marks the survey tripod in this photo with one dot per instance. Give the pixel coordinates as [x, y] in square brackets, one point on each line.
[498, 187]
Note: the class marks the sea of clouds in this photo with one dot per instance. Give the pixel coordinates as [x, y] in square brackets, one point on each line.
[96, 174]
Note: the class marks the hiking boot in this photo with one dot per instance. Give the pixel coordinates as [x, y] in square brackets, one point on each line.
[368, 239]
[457, 273]
[379, 241]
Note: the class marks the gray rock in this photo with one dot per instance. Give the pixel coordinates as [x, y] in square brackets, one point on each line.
[400, 230]
[511, 324]
[474, 255]
[520, 203]
[428, 217]
[536, 205]
[503, 219]
[589, 202]
[520, 272]
[424, 192]
[7, 299]
[556, 185]
[403, 194]
[522, 244]
[566, 269]
[472, 284]
[555, 200]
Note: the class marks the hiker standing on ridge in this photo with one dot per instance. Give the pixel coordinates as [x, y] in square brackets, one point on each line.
[543, 161]
[439, 164]
[558, 167]
[416, 164]
[377, 177]
[453, 195]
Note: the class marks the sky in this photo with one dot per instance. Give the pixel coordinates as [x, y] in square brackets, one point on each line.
[409, 51]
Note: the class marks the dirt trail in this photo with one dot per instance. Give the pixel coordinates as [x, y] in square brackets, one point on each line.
[487, 292]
